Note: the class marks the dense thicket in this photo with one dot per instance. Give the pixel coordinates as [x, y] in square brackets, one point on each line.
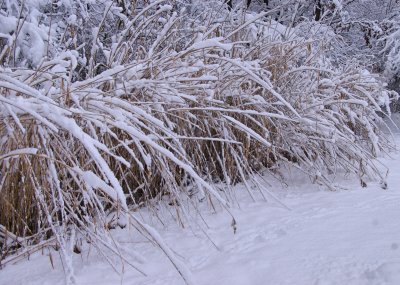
[106, 106]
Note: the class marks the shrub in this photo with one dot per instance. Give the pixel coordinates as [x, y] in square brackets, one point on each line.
[163, 104]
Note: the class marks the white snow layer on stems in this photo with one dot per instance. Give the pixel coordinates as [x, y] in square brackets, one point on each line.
[18, 152]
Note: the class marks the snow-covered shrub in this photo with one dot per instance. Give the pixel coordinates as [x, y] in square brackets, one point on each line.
[391, 50]
[163, 103]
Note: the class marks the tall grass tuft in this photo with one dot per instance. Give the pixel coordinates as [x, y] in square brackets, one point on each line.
[175, 100]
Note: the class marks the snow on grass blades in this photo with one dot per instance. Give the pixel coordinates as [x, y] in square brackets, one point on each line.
[164, 104]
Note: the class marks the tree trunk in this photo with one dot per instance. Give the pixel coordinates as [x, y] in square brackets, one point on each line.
[318, 10]
[230, 5]
[249, 2]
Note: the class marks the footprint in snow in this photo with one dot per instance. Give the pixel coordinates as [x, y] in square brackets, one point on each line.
[388, 272]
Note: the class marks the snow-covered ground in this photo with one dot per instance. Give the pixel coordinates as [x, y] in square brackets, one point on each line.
[345, 237]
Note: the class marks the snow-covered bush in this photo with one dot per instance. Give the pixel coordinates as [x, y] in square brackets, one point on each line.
[154, 101]
[391, 49]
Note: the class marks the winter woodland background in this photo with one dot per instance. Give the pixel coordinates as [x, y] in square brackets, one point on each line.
[107, 107]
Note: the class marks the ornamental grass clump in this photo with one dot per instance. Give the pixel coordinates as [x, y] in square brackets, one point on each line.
[160, 107]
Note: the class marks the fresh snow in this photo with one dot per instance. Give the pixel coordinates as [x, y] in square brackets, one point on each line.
[345, 237]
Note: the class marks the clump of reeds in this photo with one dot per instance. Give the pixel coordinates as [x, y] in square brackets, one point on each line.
[167, 110]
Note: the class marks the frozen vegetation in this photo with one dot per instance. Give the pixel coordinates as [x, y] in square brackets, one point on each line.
[199, 142]
[317, 237]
